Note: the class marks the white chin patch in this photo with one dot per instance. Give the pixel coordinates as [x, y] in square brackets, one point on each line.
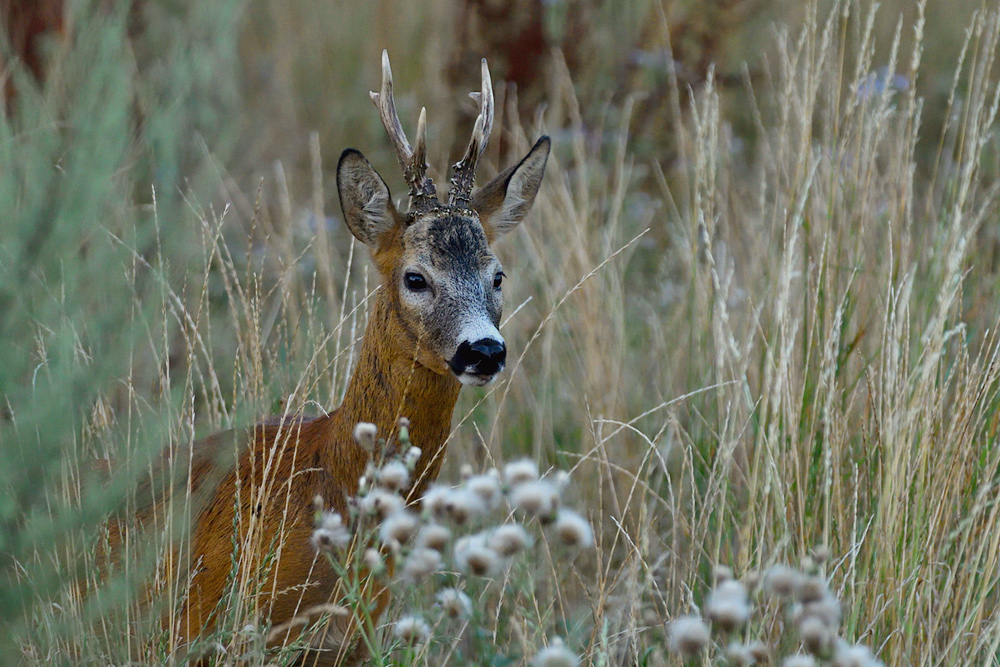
[472, 380]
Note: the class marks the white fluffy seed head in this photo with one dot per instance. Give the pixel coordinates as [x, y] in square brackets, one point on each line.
[573, 530]
[380, 503]
[738, 655]
[394, 476]
[454, 603]
[365, 435]
[781, 581]
[412, 630]
[462, 505]
[727, 606]
[331, 533]
[687, 635]
[398, 528]
[486, 487]
[538, 499]
[509, 540]
[413, 455]
[853, 655]
[815, 635]
[520, 471]
[421, 563]
[799, 660]
[435, 501]
[433, 536]
[373, 561]
[556, 655]
[811, 589]
[473, 556]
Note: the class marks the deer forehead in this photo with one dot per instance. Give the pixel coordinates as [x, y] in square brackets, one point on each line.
[449, 243]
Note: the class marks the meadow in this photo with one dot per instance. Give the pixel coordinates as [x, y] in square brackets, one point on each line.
[752, 314]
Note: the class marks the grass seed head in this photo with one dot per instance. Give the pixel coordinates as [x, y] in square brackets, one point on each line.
[688, 635]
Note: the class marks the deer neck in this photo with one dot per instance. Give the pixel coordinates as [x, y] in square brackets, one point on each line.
[388, 383]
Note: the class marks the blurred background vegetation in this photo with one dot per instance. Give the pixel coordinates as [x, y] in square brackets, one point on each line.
[172, 263]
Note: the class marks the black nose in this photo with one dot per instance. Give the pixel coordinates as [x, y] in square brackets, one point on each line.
[484, 357]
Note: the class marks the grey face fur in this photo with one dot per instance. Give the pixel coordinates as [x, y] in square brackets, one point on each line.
[438, 268]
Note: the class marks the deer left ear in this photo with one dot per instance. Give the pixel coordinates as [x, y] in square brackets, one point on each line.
[503, 202]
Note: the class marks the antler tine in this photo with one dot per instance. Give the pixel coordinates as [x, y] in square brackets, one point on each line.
[414, 163]
[465, 170]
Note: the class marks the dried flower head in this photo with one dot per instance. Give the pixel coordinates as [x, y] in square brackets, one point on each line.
[398, 528]
[739, 655]
[412, 630]
[727, 606]
[454, 603]
[573, 530]
[721, 573]
[509, 540]
[816, 636]
[413, 455]
[687, 635]
[435, 501]
[799, 660]
[782, 581]
[380, 503]
[365, 435]
[811, 589]
[373, 561]
[394, 476]
[826, 609]
[421, 563]
[462, 505]
[853, 655]
[556, 655]
[759, 651]
[538, 499]
[472, 555]
[330, 533]
[520, 471]
[433, 536]
[486, 487]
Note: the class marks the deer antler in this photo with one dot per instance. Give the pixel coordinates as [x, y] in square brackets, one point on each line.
[465, 171]
[414, 162]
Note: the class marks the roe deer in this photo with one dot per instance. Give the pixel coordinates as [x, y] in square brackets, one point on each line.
[433, 327]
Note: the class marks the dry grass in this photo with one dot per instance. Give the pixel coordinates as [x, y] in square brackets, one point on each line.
[742, 348]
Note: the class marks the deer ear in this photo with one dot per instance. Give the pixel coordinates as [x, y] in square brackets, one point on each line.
[365, 199]
[504, 201]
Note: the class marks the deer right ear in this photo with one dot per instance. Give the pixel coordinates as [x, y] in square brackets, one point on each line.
[364, 198]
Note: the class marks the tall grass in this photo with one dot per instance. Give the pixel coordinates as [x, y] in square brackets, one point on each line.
[743, 346]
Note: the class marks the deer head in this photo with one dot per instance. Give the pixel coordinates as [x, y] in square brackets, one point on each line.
[439, 274]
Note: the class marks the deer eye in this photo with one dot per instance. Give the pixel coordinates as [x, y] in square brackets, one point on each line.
[415, 282]
[498, 279]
